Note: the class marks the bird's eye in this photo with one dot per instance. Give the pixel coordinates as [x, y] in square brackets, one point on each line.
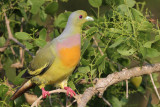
[80, 16]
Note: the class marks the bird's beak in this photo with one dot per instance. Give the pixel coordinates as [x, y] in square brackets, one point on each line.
[89, 18]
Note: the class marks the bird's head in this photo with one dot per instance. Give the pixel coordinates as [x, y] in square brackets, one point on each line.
[78, 17]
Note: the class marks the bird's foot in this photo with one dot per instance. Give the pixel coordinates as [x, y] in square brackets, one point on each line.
[69, 91]
[45, 93]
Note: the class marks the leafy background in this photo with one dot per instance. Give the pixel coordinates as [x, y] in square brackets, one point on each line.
[122, 36]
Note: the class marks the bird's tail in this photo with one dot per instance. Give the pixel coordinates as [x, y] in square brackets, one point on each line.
[26, 86]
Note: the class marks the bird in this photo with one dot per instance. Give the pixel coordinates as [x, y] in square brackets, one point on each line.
[55, 62]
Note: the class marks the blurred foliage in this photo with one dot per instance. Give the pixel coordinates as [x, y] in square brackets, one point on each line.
[123, 33]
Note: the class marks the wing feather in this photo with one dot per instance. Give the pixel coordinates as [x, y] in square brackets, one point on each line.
[41, 62]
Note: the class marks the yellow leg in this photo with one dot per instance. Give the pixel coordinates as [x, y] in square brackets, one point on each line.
[63, 85]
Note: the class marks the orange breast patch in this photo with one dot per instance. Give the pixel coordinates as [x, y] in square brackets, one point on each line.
[70, 56]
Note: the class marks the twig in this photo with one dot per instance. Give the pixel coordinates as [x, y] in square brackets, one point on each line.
[50, 92]
[10, 36]
[22, 20]
[100, 50]
[96, 43]
[71, 103]
[126, 89]
[21, 52]
[19, 64]
[50, 101]
[155, 88]
[106, 101]
[12, 50]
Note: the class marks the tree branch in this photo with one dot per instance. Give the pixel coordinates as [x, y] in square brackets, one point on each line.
[126, 89]
[155, 88]
[10, 36]
[103, 83]
[107, 102]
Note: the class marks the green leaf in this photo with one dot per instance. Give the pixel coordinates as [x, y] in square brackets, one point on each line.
[114, 2]
[43, 15]
[148, 44]
[2, 41]
[157, 37]
[10, 72]
[55, 33]
[124, 61]
[122, 9]
[141, 89]
[125, 50]
[109, 14]
[100, 60]
[33, 22]
[128, 26]
[112, 67]
[118, 41]
[95, 3]
[22, 9]
[62, 19]
[155, 76]
[19, 102]
[51, 8]
[28, 45]
[22, 35]
[91, 51]
[40, 43]
[157, 84]
[85, 45]
[149, 52]
[43, 34]
[156, 45]
[86, 78]
[130, 3]
[85, 61]
[93, 71]
[101, 66]
[137, 15]
[18, 80]
[145, 26]
[115, 102]
[71, 84]
[84, 69]
[4, 90]
[36, 4]
[91, 30]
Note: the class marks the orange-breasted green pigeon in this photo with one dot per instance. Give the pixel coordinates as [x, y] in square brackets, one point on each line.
[55, 62]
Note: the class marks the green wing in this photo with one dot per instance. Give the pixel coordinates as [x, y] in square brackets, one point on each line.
[41, 62]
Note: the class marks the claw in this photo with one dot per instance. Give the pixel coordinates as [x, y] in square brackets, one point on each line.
[70, 92]
[45, 93]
